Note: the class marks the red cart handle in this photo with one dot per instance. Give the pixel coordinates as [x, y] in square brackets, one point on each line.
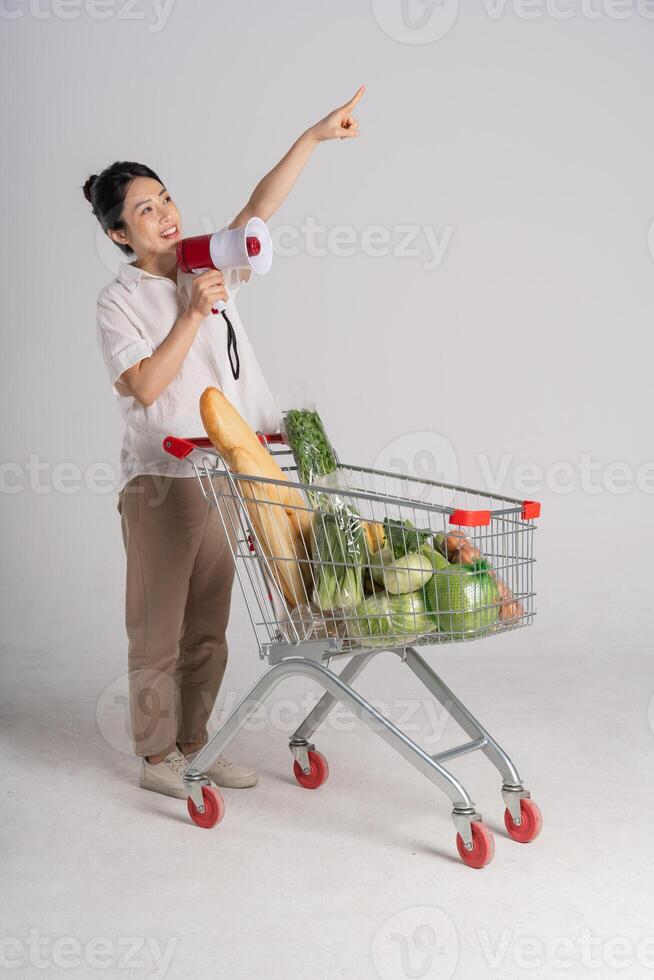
[482, 518]
[181, 448]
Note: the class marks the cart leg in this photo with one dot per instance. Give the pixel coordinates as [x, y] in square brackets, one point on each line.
[512, 789]
[464, 812]
[318, 714]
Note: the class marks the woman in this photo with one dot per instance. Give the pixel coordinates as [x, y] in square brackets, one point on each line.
[162, 348]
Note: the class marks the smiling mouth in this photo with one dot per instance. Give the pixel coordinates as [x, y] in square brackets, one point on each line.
[169, 232]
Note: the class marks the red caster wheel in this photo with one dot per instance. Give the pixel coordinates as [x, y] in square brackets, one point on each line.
[483, 846]
[532, 822]
[214, 808]
[319, 771]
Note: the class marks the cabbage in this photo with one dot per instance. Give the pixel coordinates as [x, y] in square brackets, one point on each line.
[395, 618]
[401, 575]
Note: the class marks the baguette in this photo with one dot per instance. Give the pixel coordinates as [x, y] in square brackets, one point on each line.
[276, 528]
[239, 445]
[279, 515]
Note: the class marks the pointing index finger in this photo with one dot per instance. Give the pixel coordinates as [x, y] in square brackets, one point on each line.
[356, 98]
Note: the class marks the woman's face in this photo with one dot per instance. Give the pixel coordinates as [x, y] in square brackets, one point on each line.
[151, 220]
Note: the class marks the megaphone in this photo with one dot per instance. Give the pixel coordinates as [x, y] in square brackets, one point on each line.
[249, 247]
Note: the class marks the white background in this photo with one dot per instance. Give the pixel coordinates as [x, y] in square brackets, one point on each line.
[530, 139]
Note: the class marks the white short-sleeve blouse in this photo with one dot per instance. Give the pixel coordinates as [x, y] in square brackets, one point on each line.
[135, 313]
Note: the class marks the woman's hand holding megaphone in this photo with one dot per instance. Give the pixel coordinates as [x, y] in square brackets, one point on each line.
[207, 289]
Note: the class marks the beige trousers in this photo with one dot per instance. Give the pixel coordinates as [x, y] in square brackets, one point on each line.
[179, 579]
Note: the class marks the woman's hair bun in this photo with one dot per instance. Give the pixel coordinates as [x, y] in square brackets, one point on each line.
[88, 186]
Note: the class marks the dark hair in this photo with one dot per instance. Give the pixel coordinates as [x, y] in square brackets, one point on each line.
[106, 193]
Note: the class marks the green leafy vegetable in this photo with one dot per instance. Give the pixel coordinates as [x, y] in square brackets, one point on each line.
[338, 550]
[311, 448]
[403, 537]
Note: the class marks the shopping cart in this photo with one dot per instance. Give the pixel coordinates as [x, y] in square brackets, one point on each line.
[300, 628]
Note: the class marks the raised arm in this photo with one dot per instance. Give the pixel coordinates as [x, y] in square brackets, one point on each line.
[272, 190]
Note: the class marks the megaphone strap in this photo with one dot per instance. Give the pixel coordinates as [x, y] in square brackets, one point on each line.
[232, 348]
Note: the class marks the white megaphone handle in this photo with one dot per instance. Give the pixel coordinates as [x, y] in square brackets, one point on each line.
[220, 305]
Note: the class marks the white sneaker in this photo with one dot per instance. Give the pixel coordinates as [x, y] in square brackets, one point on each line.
[225, 773]
[165, 777]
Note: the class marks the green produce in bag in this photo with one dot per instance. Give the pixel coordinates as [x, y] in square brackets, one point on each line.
[383, 620]
[338, 550]
[311, 448]
[464, 599]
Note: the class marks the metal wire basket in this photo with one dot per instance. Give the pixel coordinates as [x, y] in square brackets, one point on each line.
[368, 558]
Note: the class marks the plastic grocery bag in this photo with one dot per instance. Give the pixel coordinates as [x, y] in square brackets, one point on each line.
[305, 433]
[338, 552]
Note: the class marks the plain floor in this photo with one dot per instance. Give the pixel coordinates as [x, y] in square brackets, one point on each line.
[359, 879]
